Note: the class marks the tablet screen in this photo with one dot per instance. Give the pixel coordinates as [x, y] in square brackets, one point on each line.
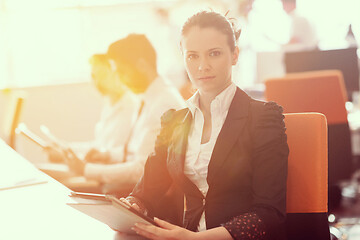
[109, 210]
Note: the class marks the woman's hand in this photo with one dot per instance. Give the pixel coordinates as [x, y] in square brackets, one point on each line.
[97, 156]
[75, 164]
[54, 153]
[134, 205]
[166, 231]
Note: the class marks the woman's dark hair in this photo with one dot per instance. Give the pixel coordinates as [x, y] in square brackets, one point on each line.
[210, 19]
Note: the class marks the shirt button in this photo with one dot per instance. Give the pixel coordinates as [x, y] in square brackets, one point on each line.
[204, 201]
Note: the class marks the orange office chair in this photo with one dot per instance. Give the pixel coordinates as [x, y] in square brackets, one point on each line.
[324, 92]
[318, 91]
[345, 60]
[306, 200]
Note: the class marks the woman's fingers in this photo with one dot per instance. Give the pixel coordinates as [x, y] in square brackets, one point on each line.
[54, 155]
[165, 231]
[97, 156]
[134, 205]
[153, 232]
[89, 155]
[164, 224]
[147, 231]
[124, 200]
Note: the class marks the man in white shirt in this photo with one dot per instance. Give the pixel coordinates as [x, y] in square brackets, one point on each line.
[135, 60]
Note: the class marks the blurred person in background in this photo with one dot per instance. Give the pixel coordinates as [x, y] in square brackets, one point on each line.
[244, 74]
[136, 66]
[117, 117]
[302, 35]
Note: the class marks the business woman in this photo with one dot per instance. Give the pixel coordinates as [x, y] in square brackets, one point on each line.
[221, 163]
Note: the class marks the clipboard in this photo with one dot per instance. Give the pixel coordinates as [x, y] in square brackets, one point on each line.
[109, 210]
[23, 130]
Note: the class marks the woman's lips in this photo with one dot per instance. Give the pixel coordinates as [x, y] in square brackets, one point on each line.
[206, 78]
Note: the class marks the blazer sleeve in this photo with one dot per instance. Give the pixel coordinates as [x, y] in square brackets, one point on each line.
[265, 219]
[156, 180]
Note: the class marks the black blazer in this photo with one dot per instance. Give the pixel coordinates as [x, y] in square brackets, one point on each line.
[246, 173]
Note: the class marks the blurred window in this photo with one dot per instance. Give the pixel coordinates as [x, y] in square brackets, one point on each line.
[50, 42]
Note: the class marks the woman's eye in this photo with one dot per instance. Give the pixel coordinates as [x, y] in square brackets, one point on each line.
[192, 56]
[215, 53]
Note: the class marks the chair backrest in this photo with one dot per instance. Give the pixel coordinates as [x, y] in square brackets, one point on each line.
[323, 92]
[318, 91]
[307, 176]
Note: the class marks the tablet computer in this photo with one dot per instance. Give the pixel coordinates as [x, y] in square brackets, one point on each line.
[109, 210]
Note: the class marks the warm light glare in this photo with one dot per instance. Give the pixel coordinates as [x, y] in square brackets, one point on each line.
[331, 218]
[45, 45]
[50, 42]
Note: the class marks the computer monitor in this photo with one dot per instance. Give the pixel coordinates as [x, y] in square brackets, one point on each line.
[345, 60]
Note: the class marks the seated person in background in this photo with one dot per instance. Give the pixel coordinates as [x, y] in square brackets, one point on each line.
[226, 153]
[302, 32]
[117, 117]
[135, 61]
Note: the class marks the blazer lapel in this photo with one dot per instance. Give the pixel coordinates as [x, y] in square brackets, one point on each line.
[177, 153]
[178, 145]
[233, 125]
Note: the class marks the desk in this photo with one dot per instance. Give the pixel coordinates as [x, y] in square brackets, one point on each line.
[61, 173]
[39, 211]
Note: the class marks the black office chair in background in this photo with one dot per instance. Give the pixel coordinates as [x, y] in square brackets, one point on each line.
[345, 60]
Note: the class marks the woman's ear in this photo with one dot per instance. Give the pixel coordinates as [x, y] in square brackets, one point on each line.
[235, 55]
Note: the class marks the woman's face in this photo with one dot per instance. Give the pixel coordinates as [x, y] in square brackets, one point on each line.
[101, 74]
[208, 59]
[106, 81]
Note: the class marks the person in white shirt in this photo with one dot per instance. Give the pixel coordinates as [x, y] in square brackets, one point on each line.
[135, 61]
[117, 117]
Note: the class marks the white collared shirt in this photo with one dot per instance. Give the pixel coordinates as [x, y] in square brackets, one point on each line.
[198, 155]
[114, 127]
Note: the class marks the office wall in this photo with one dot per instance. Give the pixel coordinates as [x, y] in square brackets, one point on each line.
[70, 111]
